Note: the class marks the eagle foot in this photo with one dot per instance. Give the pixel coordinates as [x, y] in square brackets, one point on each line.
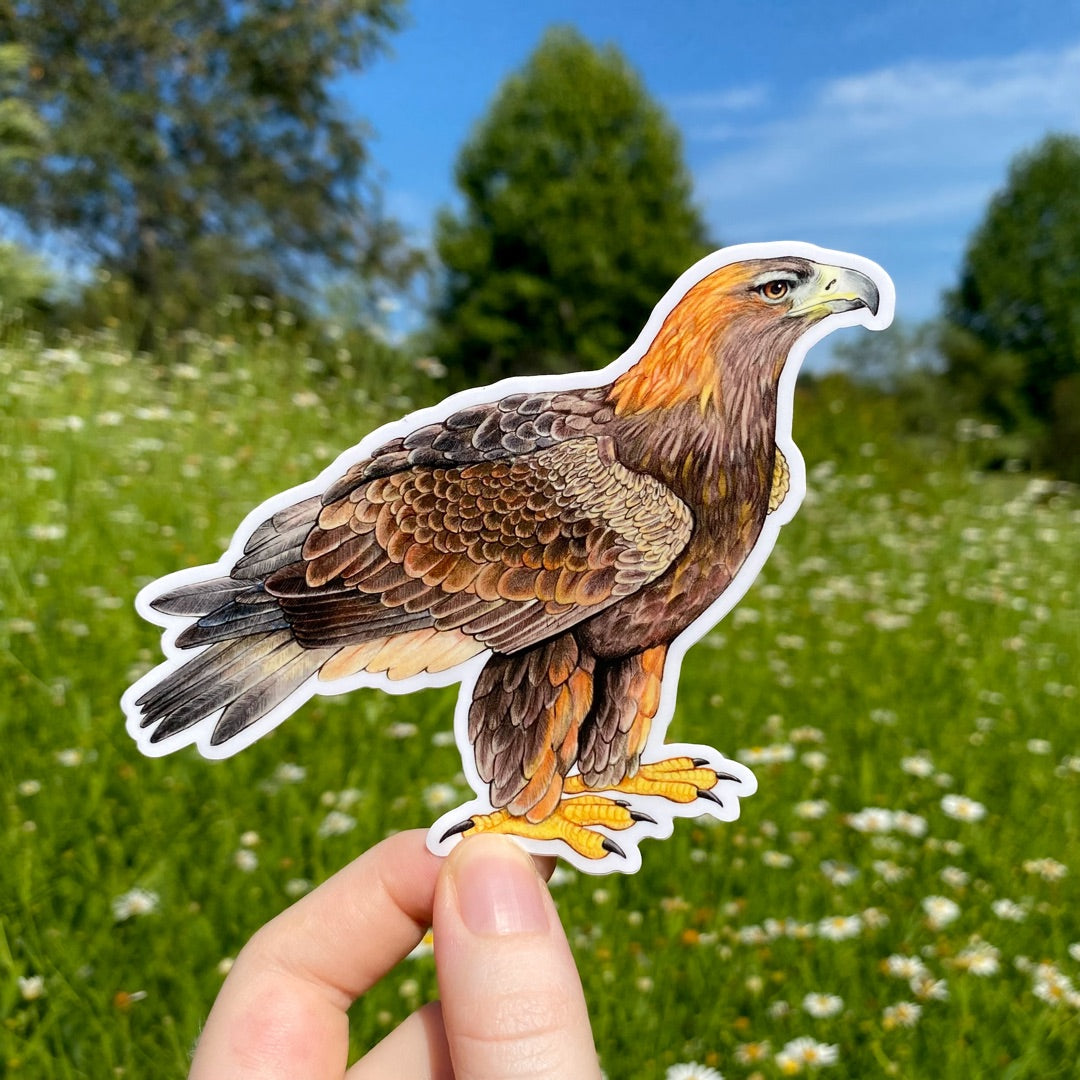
[679, 779]
[572, 821]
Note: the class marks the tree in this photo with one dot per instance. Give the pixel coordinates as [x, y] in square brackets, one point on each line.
[198, 144]
[1013, 336]
[22, 132]
[25, 281]
[577, 218]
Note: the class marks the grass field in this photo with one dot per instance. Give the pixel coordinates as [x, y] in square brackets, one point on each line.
[903, 678]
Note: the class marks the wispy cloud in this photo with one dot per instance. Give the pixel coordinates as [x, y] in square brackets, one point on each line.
[873, 160]
[734, 99]
[979, 89]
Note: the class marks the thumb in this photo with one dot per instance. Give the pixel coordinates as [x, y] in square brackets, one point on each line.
[511, 996]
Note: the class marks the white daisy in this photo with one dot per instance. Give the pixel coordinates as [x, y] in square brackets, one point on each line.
[31, 987]
[928, 988]
[917, 765]
[245, 859]
[808, 1052]
[980, 958]
[820, 1006]
[133, 903]
[902, 1014]
[954, 877]
[872, 819]
[840, 927]
[961, 808]
[336, 823]
[909, 824]
[424, 947]
[1047, 869]
[905, 967]
[752, 1052]
[940, 911]
[691, 1071]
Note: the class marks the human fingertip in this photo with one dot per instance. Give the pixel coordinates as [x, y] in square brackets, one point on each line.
[496, 888]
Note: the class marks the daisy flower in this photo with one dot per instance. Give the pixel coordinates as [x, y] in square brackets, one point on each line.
[821, 1006]
[807, 1052]
[692, 1071]
[961, 808]
[902, 1014]
[133, 903]
[940, 911]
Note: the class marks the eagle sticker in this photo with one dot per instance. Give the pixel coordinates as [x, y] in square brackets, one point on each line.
[553, 543]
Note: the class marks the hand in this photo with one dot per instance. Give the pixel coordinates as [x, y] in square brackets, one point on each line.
[512, 1005]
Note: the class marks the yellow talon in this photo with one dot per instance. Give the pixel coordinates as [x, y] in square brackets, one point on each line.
[570, 822]
[678, 779]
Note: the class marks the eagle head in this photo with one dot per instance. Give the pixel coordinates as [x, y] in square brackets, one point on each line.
[738, 323]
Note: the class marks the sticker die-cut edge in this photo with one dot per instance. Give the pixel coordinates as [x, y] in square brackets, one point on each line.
[466, 674]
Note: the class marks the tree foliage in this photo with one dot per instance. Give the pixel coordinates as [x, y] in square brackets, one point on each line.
[26, 283]
[1013, 341]
[577, 217]
[22, 132]
[197, 145]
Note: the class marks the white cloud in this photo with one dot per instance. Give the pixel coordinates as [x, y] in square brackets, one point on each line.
[734, 99]
[876, 161]
[1029, 83]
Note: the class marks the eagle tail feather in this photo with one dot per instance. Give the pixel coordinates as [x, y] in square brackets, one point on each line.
[249, 613]
[246, 678]
[199, 598]
[298, 665]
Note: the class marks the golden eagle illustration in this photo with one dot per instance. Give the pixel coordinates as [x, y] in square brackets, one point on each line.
[549, 541]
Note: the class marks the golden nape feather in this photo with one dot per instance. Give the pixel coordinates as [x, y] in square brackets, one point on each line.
[679, 364]
[555, 543]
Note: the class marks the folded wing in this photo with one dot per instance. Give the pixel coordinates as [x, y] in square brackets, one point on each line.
[506, 553]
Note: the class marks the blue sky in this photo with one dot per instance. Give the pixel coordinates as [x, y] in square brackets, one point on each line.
[880, 128]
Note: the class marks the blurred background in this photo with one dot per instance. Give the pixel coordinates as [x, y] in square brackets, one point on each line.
[235, 237]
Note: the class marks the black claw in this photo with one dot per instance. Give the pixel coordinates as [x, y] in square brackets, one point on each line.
[460, 827]
[728, 776]
[639, 815]
[610, 845]
[710, 796]
[621, 802]
[699, 761]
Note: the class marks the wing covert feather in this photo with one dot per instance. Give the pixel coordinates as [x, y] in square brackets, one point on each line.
[537, 542]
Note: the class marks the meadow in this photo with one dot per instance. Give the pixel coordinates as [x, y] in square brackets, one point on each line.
[901, 898]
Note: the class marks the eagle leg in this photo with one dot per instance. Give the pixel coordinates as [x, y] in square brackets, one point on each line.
[572, 821]
[626, 700]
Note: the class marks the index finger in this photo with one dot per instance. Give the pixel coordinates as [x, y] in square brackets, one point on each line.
[282, 1010]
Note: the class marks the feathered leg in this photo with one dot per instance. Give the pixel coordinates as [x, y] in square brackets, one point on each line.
[524, 724]
[614, 736]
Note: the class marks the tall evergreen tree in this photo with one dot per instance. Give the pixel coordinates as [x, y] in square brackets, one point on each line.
[577, 217]
[198, 143]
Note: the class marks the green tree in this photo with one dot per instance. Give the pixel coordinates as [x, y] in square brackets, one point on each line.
[577, 217]
[1013, 334]
[198, 144]
[25, 281]
[22, 132]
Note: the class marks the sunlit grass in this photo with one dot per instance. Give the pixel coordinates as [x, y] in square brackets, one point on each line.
[915, 635]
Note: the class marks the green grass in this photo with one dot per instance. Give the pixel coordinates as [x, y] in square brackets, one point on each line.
[915, 606]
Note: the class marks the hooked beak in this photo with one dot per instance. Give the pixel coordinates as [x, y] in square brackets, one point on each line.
[834, 289]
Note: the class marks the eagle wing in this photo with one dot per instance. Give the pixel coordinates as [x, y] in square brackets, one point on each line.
[506, 552]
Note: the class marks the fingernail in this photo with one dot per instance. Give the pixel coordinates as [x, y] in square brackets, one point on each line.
[498, 889]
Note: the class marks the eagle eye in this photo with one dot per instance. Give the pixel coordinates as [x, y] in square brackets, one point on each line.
[775, 290]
